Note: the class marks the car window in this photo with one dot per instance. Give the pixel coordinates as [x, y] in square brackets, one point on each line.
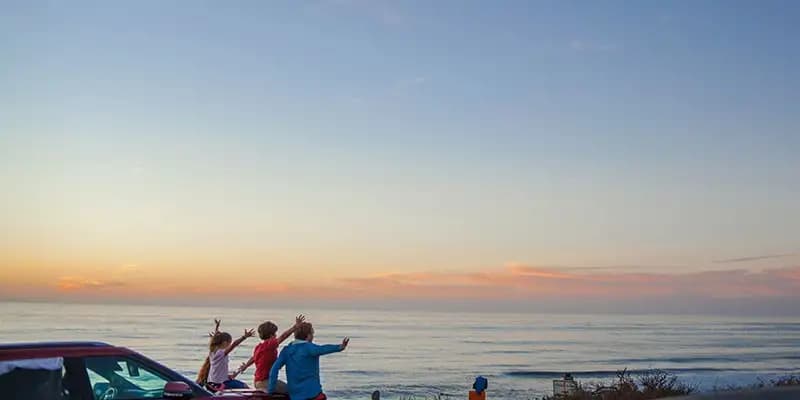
[120, 378]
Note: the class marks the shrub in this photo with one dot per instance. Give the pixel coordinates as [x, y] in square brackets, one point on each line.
[652, 384]
[790, 380]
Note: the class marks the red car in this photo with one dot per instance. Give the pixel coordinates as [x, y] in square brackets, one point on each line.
[96, 371]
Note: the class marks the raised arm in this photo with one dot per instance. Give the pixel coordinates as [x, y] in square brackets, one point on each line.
[216, 327]
[273, 373]
[244, 366]
[321, 350]
[297, 321]
[202, 374]
[237, 342]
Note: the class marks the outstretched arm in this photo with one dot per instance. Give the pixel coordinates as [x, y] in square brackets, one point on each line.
[237, 342]
[273, 373]
[244, 366]
[297, 321]
[324, 349]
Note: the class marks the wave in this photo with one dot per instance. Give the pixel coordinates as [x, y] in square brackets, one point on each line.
[512, 352]
[201, 346]
[611, 373]
[694, 359]
[360, 372]
[529, 342]
[678, 360]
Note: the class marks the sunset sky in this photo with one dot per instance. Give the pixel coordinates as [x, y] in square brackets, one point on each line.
[587, 156]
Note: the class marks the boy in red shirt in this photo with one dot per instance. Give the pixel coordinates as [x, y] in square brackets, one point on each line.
[266, 352]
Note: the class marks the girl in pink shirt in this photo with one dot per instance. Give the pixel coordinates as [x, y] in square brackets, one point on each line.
[219, 347]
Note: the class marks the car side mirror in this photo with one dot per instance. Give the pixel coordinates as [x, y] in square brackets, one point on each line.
[177, 390]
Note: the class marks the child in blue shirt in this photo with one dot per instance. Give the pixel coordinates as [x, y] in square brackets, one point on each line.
[301, 358]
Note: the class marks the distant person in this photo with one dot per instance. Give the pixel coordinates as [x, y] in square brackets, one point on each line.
[301, 358]
[219, 347]
[266, 352]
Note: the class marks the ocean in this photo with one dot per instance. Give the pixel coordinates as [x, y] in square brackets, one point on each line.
[417, 353]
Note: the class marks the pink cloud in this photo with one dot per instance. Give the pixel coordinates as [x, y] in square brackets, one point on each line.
[515, 283]
[70, 283]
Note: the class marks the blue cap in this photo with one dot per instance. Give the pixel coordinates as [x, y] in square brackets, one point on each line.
[480, 384]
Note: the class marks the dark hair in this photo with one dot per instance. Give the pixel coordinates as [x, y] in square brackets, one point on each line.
[218, 339]
[267, 330]
[303, 331]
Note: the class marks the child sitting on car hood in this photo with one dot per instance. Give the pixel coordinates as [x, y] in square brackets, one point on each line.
[301, 358]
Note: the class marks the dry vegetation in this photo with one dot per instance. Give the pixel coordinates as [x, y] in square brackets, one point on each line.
[790, 380]
[654, 384]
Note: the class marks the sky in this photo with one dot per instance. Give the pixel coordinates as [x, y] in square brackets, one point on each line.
[534, 155]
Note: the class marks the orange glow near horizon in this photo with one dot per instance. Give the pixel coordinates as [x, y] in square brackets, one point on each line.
[514, 282]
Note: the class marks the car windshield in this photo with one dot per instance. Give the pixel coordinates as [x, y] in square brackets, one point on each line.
[120, 378]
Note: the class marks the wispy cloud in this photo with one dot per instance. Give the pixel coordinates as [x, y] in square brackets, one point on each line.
[613, 267]
[384, 12]
[115, 277]
[592, 46]
[514, 281]
[529, 282]
[73, 283]
[415, 81]
[407, 84]
[513, 284]
[754, 258]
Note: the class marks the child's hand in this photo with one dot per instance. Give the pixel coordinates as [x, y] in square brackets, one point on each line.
[238, 371]
[299, 319]
[216, 327]
[249, 333]
[344, 344]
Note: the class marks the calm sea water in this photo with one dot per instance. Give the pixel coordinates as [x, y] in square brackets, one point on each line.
[431, 353]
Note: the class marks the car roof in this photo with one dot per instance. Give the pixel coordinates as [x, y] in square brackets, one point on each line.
[16, 351]
[50, 345]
